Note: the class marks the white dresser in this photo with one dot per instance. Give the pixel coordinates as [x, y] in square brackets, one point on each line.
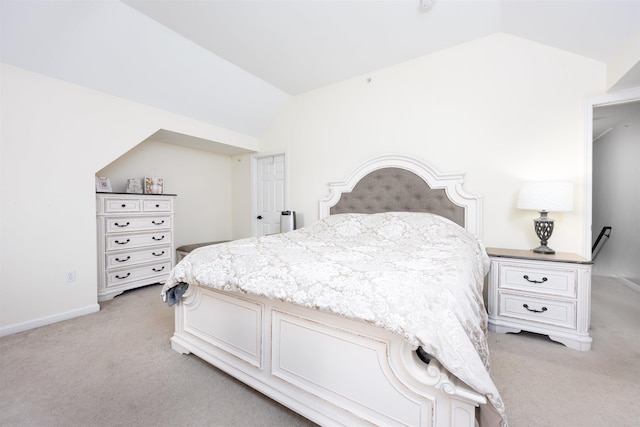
[135, 241]
[545, 294]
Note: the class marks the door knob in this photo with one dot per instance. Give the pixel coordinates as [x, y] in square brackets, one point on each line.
[259, 216]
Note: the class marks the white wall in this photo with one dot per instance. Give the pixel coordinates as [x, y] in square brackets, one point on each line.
[502, 109]
[242, 197]
[616, 200]
[55, 137]
[202, 180]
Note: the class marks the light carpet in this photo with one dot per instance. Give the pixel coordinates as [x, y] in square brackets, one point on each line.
[116, 368]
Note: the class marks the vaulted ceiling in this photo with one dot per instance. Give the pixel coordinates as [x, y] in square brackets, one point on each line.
[305, 44]
[235, 63]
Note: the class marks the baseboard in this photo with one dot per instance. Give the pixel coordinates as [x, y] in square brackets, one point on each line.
[43, 321]
[628, 283]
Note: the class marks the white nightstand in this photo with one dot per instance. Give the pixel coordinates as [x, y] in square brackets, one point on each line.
[545, 294]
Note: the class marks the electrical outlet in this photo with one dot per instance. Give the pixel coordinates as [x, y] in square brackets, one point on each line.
[70, 276]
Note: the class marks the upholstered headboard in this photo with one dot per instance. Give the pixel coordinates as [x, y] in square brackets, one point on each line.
[397, 183]
[397, 190]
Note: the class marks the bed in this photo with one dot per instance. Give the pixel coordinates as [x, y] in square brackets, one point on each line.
[274, 314]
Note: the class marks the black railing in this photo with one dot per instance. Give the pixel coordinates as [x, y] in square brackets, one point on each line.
[597, 246]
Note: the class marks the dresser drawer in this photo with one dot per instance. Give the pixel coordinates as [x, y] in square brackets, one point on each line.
[548, 280]
[156, 205]
[121, 205]
[141, 223]
[538, 310]
[127, 241]
[146, 272]
[125, 259]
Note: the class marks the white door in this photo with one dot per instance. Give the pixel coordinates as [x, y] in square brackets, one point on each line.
[270, 194]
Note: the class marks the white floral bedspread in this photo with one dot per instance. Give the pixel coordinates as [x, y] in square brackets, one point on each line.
[416, 274]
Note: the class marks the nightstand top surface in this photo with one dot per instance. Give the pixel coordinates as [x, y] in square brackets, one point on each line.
[529, 254]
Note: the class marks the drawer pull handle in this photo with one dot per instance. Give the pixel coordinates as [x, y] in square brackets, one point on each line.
[155, 254]
[157, 223]
[123, 277]
[157, 206]
[123, 205]
[123, 243]
[156, 270]
[544, 279]
[123, 225]
[155, 238]
[535, 311]
[124, 260]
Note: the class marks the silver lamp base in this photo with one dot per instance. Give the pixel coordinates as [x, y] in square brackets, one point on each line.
[544, 250]
[544, 228]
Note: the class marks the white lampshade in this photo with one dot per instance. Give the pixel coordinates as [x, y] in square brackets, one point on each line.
[549, 196]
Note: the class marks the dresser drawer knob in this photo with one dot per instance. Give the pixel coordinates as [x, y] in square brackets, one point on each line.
[123, 225]
[544, 279]
[535, 311]
[124, 260]
[157, 223]
[157, 238]
[157, 206]
[155, 254]
[123, 205]
[123, 243]
[156, 270]
[123, 277]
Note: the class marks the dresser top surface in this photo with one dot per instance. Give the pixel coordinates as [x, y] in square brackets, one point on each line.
[104, 193]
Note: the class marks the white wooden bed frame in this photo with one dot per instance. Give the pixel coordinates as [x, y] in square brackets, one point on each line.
[331, 370]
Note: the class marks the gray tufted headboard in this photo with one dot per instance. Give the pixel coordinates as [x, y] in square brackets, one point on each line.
[400, 183]
[397, 190]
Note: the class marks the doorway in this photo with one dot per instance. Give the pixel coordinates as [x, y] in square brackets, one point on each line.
[269, 184]
[610, 190]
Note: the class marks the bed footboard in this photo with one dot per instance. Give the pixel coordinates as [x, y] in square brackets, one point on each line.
[332, 370]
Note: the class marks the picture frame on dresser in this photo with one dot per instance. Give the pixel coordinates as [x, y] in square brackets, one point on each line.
[153, 185]
[103, 184]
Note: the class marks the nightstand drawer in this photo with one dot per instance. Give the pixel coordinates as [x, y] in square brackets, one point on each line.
[548, 280]
[538, 310]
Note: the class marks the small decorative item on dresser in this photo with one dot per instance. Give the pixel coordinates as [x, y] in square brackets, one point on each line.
[154, 185]
[103, 184]
[134, 186]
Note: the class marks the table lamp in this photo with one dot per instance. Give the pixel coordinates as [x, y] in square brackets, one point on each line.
[545, 196]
